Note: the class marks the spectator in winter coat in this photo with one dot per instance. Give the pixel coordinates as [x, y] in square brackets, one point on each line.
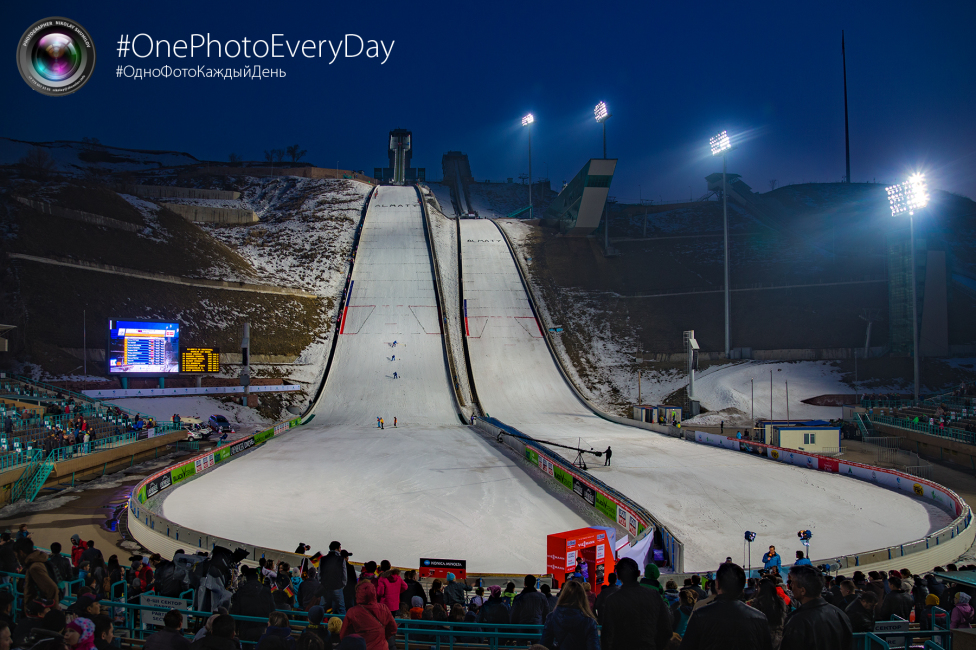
[530, 607]
[416, 608]
[682, 610]
[601, 600]
[635, 618]
[251, 599]
[221, 636]
[310, 591]
[414, 588]
[815, 625]
[897, 603]
[90, 553]
[962, 613]
[61, 563]
[571, 625]
[171, 636]
[773, 607]
[436, 592]
[934, 585]
[545, 589]
[727, 622]
[454, 591]
[349, 590]
[368, 573]
[931, 602]
[509, 594]
[495, 610]
[334, 578]
[369, 619]
[278, 626]
[140, 569]
[389, 589]
[37, 583]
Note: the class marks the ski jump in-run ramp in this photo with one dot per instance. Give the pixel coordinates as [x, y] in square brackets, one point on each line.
[707, 497]
[430, 487]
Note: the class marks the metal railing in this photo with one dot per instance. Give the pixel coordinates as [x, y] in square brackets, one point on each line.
[949, 433]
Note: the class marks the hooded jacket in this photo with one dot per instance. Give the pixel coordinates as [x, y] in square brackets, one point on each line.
[962, 613]
[369, 619]
[388, 592]
[38, 583]
[567, 628]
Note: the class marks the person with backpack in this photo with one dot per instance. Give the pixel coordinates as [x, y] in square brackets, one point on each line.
[77, 548]
[39, 577]
[141, 571]
[61, 563]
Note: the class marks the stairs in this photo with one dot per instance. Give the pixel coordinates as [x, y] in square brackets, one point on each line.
[864, 425]
[518, 212]
[35, 474]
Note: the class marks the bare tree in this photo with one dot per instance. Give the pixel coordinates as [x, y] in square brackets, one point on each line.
[772, 184]
[269, 157]
[37, 164]
[296, 153]
[279, 154]
[234, 158]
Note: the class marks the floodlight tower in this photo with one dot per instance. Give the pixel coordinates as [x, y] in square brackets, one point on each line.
[720, 145]
[527, 122]
[907, 197]
[602, 114]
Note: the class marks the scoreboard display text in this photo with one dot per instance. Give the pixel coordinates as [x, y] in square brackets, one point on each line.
[199, 359]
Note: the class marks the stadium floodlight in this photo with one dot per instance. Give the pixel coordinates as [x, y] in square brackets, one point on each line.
[527, 121]
[908, 197]
[602, 114]
[720, 143]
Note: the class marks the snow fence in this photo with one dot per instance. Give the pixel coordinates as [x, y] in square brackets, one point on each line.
[941, 547]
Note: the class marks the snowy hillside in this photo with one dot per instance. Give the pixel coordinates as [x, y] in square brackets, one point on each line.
[78, 157]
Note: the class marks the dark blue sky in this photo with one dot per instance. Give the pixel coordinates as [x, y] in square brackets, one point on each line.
[461, 75]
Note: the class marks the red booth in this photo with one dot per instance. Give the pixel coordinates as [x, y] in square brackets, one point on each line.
[591, 544]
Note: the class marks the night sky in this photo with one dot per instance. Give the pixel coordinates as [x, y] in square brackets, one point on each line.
[461, 75]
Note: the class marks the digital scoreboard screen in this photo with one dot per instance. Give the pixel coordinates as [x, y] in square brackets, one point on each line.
[199, 359]
[143, 347]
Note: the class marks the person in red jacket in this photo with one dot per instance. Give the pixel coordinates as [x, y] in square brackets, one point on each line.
[77, 548]
[369, 619]
[389, 589]
[141, 570]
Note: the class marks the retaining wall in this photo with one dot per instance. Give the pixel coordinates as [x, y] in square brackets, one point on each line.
[168, 192]
[207, 214]
[78, 215]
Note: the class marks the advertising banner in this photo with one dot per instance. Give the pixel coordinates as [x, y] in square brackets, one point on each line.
[182, 472]
[243, 445]
[117, 393]
[583, 490]
[439, 568]
[203, 462]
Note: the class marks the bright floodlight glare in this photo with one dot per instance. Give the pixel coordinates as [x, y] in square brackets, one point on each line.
[527, 120]
[909, 196]
[720, 143]
[601, 112]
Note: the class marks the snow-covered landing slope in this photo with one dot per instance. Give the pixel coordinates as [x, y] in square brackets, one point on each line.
[429, 487]
[706, 496]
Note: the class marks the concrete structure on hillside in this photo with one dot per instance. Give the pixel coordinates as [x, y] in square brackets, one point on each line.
[579, 207]
[400, 152]
[168, 192]
[207, 214]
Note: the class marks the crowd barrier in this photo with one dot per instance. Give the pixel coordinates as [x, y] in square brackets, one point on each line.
[940, 547]
[600, 496]
[157, 533]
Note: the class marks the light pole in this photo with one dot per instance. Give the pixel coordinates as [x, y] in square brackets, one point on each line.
[527, 122]
[908, 197]
[602, 114]
[720, 145]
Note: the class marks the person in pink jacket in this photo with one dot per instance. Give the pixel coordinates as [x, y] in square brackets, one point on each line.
[389, 588]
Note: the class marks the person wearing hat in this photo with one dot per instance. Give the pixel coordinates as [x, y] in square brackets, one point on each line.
[315, 628]
[141, 570]
[416, 608]
[80, 634]
[335, 626]
[962, 613]
[931, 601]
[87, 606]
[35, 611]
[454, 592]
[495, 610]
